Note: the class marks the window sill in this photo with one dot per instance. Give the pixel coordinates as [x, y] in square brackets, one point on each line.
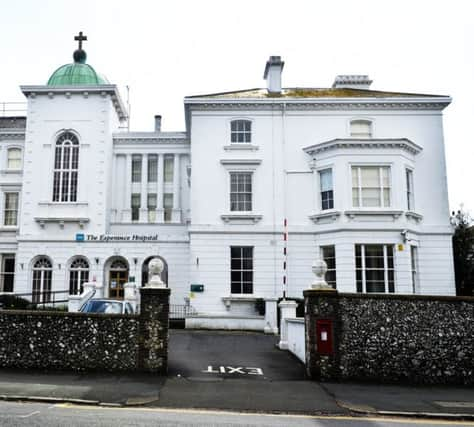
[42, 221]
[44, 203]
[12, 171]
[9, 228]
[413, 215]
[329, 214]
[355, 213]
[241, 147]
[249, 298]
[241, 217]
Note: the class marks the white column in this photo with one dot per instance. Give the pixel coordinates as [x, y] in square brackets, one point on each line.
[176, 214]
[143, 190]
[160, 190]
[287, 310]
[127, 211]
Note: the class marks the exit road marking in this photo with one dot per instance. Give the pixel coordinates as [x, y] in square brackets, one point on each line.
[233, 370]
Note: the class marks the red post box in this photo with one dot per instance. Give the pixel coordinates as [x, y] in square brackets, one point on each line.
[324, 337]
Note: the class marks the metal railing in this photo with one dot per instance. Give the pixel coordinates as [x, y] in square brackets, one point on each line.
[12, 108]
[178, 311]
[46, 298]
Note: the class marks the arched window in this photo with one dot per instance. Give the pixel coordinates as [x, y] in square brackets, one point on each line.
[14, 158]
[78, 274]
[241, 131]
[42, 275]
[66, 165]
[361, 129]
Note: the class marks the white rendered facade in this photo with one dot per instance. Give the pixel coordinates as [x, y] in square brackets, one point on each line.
[355, 173]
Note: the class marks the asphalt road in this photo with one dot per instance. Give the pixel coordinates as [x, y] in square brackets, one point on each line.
[239, 371]
[13, 414]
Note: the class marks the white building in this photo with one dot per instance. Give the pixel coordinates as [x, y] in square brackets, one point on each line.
[358, 176]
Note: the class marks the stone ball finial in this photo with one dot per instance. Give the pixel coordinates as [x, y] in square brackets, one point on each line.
[155, 268]
[319, 269]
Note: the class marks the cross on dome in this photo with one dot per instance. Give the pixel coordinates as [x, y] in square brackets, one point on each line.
[80, 38]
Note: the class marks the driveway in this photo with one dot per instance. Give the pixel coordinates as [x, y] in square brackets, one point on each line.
[239, 371]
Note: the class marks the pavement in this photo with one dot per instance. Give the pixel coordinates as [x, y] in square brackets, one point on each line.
[236, 371]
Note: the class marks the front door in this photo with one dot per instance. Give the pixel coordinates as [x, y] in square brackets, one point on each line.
[117, 280]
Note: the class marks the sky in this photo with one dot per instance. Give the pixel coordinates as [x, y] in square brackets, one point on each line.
[166, 50]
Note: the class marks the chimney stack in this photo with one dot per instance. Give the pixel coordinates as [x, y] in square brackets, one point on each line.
[157, 123]
[272, 74]
[353, 81]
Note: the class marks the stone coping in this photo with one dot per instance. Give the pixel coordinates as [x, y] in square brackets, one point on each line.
[379, 296]
[44, 313]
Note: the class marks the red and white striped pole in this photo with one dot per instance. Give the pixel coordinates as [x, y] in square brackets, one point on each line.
[285, 252]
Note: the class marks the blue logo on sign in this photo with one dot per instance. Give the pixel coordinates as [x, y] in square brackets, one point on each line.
[80, 237]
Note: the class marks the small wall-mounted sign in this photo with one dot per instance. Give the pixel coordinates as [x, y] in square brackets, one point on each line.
[400, 247]
[197, 287]
[80, 237]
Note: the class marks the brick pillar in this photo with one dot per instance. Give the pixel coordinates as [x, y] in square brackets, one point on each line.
[322, 323]
[153, 334]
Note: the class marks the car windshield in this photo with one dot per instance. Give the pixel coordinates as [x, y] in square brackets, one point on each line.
[97, 306]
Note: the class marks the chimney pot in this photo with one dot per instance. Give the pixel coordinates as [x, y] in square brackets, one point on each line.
[157, 123]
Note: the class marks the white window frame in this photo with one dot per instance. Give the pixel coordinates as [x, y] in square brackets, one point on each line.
[320, 199]
[361, 120]
[152, 172]
[250, 174]
[414, 268]
[66, 193]
[79, 267]
[321, 253]
[137, 171]
[168, 168]
[5, 210]
[135, 209]
[20, 159]
[246, 134]
[43, 277]
[410, 195]
[385, 267]
[380, 186]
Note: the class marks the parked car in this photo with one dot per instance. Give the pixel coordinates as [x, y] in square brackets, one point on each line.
[107, 306]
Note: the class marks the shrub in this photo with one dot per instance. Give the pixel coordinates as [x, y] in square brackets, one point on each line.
[12, 302]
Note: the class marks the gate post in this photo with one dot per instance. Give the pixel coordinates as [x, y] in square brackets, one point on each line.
[153, 330]
[322, 327]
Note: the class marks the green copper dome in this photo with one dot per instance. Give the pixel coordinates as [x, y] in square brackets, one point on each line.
[76, 74]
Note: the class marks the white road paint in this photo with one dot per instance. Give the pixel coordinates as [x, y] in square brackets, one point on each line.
[233, 370]
[455, 404]
[29, 415]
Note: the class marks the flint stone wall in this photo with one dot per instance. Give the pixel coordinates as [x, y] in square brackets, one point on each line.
[68, 341]
[86, 341]
[393, 338]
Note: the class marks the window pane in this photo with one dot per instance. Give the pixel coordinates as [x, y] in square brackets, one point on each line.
[168, 169]
[14, 158]
[241, 263]
[152, 168]
[136, 168]
[152, 201]
[369, 177]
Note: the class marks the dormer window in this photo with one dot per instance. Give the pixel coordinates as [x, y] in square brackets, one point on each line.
[361, 129]
[241, 131]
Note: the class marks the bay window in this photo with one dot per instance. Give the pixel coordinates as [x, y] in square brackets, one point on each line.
[371, 186]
